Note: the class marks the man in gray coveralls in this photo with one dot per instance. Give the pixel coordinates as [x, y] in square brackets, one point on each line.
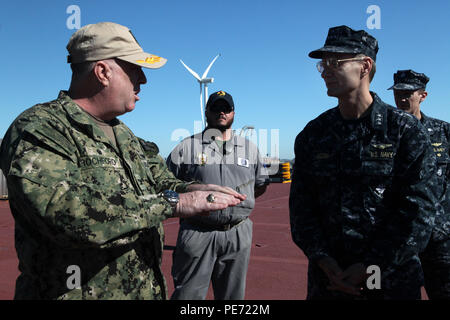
[216, 248]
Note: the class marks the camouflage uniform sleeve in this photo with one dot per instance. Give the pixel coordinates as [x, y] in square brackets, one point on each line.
[409, 223]
[47, 191]
[165, 179]
[305, 226]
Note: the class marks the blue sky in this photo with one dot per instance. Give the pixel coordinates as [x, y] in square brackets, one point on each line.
[264, 61]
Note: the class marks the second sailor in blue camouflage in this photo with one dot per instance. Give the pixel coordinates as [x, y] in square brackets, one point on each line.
[409, 92]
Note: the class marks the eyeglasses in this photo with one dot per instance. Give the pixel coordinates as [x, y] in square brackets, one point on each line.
[333, 63]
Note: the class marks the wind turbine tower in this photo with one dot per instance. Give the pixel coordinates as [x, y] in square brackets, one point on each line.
[203, 81]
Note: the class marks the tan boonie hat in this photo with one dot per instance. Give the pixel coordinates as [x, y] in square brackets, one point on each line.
[106, 40]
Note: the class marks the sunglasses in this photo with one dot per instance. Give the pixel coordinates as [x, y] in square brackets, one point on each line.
[217, 108]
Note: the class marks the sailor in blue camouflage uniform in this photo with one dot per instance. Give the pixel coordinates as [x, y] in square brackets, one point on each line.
[363, 186]
[409, 92]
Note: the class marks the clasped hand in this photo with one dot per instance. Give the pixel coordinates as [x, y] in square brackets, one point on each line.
[349, 280]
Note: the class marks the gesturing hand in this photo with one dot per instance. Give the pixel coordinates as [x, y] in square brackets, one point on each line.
[215, 187]
[196, 203]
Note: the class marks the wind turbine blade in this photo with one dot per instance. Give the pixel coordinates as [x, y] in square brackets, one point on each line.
[209, 67]
[191, 71]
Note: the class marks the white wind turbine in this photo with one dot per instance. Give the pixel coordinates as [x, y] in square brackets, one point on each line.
[203, 81]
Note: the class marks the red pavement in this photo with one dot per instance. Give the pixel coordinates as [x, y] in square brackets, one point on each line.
[277, 269]
[8, 257]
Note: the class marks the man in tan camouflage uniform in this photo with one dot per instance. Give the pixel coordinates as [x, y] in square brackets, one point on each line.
[83, 193]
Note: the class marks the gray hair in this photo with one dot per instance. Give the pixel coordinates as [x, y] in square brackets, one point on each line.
[81, 69]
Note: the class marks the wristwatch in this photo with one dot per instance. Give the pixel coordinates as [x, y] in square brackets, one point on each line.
[172, 197]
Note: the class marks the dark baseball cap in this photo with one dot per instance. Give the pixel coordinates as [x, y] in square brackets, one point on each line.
[343, 39]
[409, 80]
[220, 95]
